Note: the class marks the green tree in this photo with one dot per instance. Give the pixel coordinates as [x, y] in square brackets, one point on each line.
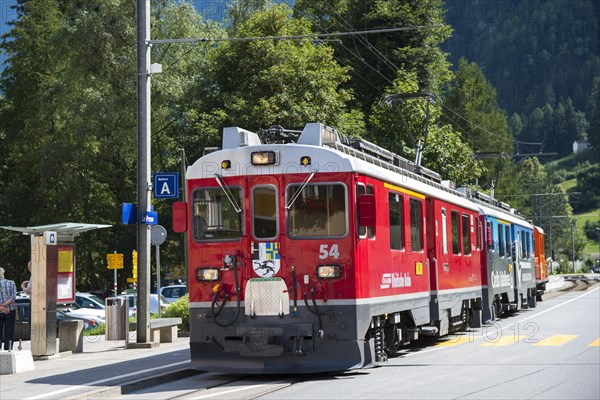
[472, 109]
[70, 124]
[261, 83]
[376, 59]
[594, 112]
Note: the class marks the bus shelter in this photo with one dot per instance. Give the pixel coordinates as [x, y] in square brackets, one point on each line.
[53, 268]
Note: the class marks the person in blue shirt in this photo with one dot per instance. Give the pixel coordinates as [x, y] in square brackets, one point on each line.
[8, 310]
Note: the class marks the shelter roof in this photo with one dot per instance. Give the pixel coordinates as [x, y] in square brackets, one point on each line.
[65, 229]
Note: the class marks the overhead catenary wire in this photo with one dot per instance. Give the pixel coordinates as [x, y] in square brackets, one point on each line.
[291, 37]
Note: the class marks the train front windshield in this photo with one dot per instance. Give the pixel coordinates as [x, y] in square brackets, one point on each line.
[215, 214]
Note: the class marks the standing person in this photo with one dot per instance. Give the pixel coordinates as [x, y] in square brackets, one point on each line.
[8, 310]
[26, 285]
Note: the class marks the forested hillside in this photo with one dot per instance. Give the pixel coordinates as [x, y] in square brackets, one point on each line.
[543, 58]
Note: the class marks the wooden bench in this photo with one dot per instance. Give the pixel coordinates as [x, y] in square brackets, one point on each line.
[164, 330]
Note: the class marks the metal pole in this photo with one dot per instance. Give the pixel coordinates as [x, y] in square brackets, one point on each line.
[143, 167]
[158, 278]
[185, 234]
[573, 245]
[551, 249]
[116, 288]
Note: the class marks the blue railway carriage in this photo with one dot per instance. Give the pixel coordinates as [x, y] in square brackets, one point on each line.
[507, 259]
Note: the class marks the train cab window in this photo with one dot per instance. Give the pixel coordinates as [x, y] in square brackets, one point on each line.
[444, 232]
[370, 229]
[396, 221]
[523, 247]
[508, 241]
[215, 216]
[416, 225]
[489, 235]
[455, 220]
[501, 244]
[527, 245]
[362, 230]
[466, 234]
[264, 212]
[318, 210]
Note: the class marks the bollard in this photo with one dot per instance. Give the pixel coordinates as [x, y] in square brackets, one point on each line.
[70, 335]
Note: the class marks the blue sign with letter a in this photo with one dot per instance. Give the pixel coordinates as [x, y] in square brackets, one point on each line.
[166, 185]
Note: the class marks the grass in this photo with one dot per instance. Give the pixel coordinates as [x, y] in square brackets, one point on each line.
[580, 220]
[569, 185]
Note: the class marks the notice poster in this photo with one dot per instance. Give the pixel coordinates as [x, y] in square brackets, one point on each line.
[65, 281]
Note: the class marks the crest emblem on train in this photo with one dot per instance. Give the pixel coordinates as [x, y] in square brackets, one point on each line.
[265, 259]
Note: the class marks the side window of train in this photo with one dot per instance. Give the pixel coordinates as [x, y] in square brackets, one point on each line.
[396, 221]
[317, 210]
[508, 241]
[416, 225]
[444, 231]
[370, 229]
[501, 241]
[466, 234]
[479, 233]
[528, 243]
[362, 230]
[455, 216]
[523, 247]
[264, 212]
[489, 235]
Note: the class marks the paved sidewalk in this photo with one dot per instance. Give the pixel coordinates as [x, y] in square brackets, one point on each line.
[98, 372]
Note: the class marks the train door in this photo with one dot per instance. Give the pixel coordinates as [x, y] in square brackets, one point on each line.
[416, 252]
[365, 244]
[264, 227]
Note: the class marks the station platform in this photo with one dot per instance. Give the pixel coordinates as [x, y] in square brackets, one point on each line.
[102, 370]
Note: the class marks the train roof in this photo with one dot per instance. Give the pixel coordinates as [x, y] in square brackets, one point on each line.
[330, 151]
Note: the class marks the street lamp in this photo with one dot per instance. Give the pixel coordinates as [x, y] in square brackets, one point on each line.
[391, 99]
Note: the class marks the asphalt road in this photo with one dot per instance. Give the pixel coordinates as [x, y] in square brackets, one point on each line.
[550, 352]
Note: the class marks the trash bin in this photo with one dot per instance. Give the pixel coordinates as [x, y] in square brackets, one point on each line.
[117, 318]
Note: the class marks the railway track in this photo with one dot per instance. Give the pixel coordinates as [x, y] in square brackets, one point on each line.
[209, 385]
[580, 283]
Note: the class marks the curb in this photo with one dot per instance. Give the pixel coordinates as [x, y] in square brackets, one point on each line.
[128, 387]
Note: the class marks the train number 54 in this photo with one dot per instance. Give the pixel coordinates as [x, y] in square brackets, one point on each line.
[326, 251]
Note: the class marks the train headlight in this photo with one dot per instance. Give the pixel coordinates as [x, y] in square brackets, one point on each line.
[264, 158]
[207, 274]
[329, 271]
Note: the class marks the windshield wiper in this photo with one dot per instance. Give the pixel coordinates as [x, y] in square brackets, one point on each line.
[300, 189]
[228, 193]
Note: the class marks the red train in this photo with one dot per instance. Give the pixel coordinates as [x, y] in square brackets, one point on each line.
[317, 252]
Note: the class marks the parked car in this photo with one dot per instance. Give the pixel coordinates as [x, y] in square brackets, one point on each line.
[23, 321]
[74, 310]
[88, 322]
[173, 292]
[132, 299]
[88, 300]
[101, 293]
